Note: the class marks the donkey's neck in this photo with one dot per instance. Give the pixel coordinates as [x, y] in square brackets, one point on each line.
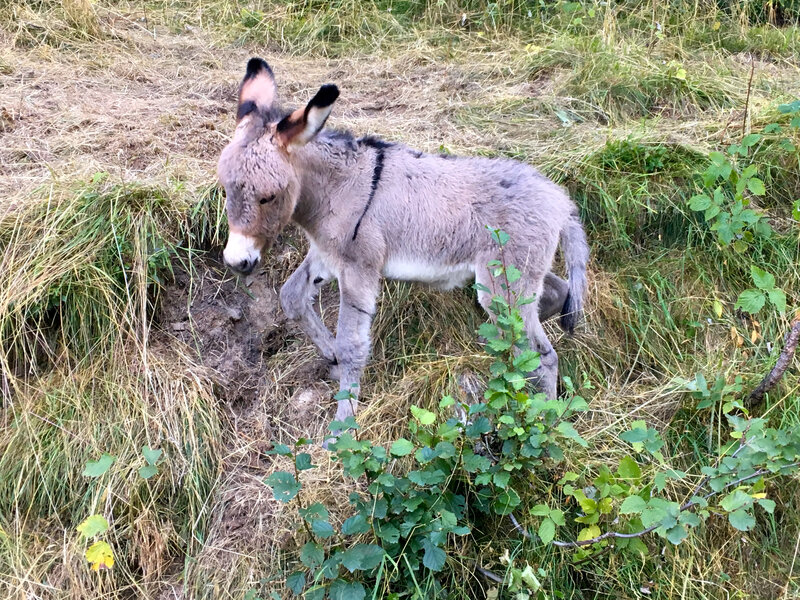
[327, 167]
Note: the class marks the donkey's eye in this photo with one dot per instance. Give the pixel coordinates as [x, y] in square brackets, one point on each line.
[269, 198]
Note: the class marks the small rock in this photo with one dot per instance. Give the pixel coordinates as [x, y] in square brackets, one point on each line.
[179, 326]
[234, 313]
[248, 281]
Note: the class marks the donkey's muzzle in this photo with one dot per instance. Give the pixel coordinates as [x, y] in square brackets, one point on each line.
[244, 267]
[241, 253]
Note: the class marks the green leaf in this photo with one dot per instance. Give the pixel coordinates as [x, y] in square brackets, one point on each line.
[699, 202]
[362, 557]
[150, 455]
[547, 531]
[632, 505]
[527, 361]
[541, 510]
[742, 520]
[512, 273]
[147, 471]
[751, 301]
[434, 557]
[778, 299]
[424, 417]
[478, 427]
[566, 429]
[506, 501]
[284, 485]
[322, 529]
[736, 500]
[314, 511]
[750, 140]
[629, 469]
[94, 525]
[762, 279]
[676, 534]
[98, 468]
[355, 525]
[280, 449]
[312, 555]
[634, 435]
[343, 590]
[501, 478]
[767, 504]
[588, 533]
[447, 401]
[500, 236]
[401, 447]
[756, 186]
[303, 461]
[296, 582]
[558, 517]
[474, 463]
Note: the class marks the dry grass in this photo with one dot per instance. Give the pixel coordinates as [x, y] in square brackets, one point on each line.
[145, 95]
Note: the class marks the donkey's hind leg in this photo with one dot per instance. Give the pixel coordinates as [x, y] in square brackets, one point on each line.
[545, 376]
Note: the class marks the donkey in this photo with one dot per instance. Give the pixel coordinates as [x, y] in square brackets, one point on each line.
[373, 209]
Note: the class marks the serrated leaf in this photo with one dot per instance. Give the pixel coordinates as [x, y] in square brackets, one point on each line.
[147, 471]
[767, 504]
[284, 485]
[280, 449]
[312, 555]
[316, 510]
[362, 557]
[434, 557]
[322, 529]
[527, 361]
[676, 534]
[756, 186]
[540, 510]
[629, 469]
[303, 461]
[751, 301]
[632, 505]
[92, 526]
[762, 279]
[750, 139]
[99, 467]
[343, 590]
[447, 401]
[547, 531]
[424, 417]
[778, 298]
[588, 533]
[100, 556]
[296, 582]
[355, 525]
[150, 455]
[699, 202]
[566, 429]
[742, 520]
[506, 501]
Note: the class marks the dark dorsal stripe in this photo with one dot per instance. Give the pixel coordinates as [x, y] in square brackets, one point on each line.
[376, 176]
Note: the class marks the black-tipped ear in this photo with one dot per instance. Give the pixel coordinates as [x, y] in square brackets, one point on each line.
[254, 66]
[302, 125]
[257, 90]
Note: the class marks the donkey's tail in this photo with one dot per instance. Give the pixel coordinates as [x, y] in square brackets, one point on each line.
[576, 255]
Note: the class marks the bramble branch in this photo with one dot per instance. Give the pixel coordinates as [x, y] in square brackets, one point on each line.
[774, 376]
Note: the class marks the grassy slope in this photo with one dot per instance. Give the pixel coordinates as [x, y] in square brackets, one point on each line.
[594, 104]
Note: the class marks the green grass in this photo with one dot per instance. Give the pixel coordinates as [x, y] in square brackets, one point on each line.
[619, 111]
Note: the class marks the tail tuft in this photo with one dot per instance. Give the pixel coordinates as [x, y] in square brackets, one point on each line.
[576, 255]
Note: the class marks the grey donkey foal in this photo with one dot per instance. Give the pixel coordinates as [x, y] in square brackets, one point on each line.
[374, 209]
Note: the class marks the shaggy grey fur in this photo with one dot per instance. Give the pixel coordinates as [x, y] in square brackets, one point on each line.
[373, 209]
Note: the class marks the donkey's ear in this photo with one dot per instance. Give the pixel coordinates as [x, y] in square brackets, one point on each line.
[257, 90]
[302, 125]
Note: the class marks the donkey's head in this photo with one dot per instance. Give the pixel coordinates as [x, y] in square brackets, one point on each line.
[261, 182]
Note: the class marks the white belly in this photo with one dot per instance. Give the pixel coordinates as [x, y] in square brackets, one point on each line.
[415, 269]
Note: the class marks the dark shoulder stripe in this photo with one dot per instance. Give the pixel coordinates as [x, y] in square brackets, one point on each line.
[374, 142]
[376, 177]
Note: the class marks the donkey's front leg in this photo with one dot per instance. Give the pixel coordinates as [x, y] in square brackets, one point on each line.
[298, 295]
[359, 289]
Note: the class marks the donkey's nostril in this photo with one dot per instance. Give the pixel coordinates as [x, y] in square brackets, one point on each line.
[246, 265]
